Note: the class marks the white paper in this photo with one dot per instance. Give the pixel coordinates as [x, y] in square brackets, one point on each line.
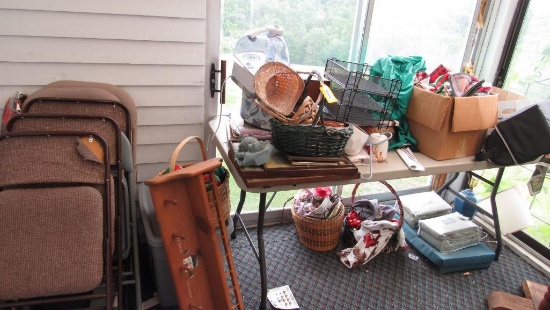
[282, 298]
[409, 159]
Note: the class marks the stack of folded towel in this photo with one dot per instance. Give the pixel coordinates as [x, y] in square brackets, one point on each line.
[437, 224]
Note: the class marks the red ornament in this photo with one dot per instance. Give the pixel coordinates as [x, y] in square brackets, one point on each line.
[322, 192]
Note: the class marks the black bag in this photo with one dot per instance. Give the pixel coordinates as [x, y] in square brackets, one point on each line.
[519, 139]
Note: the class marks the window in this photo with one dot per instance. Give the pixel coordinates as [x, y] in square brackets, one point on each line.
[437, 30]
[358, 31]
[526, 71]
[529, 70]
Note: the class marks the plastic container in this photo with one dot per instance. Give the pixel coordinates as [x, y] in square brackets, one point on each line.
[160, 270]
[464, 208]
[262, 45]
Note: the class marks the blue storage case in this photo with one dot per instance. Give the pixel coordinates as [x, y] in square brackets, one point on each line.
[471, 258]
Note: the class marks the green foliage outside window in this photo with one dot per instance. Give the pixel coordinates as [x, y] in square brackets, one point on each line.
[314, 30]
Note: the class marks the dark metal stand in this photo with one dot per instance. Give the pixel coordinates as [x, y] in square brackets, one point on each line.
[260, 252]
[494, 210]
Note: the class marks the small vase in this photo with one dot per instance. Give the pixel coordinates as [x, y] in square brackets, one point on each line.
[463, 208]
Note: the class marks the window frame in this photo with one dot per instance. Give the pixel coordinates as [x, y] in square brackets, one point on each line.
[501, 20]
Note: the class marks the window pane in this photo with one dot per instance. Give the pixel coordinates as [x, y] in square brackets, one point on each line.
[529, 71]
[368, 189]
[539, 205]
[529, 75]
[314, 30]
[434, 29]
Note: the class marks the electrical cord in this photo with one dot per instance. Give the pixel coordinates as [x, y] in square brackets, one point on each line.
[210, 139]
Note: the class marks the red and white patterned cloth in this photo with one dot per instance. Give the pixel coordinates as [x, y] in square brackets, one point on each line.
[372, 239]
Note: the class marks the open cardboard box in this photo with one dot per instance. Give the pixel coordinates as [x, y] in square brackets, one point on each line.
[450, 127]
[509, 102]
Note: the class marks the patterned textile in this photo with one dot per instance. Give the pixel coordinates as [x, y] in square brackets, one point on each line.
[370, 209]
[252, 114]
[439, 71]
[373, 237]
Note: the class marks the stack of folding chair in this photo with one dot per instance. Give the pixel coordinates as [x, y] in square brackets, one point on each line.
[97, 112]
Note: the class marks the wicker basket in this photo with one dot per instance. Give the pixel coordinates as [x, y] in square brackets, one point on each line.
[223, 187]
[278, 87]
[305, 114]
[319, 234]
[348, 239]
[327, 139]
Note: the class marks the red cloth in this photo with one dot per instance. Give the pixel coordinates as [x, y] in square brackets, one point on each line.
[440, 70]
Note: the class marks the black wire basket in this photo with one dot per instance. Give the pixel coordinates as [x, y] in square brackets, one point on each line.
[363, 99]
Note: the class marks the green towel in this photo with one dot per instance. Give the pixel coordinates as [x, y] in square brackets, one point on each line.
[403, 68]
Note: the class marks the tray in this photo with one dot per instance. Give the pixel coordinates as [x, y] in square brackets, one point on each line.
[280, 165]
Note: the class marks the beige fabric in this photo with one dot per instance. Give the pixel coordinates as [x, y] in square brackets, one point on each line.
[54, 159]
[108, 130]
[125, 99]
[51, 241]
[48, 106]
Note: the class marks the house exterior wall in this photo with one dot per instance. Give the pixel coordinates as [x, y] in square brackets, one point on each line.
[159, 52]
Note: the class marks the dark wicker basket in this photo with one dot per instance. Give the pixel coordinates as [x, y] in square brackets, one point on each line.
[310, 140]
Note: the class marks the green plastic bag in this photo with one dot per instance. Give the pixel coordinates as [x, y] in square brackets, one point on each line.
[403, 68]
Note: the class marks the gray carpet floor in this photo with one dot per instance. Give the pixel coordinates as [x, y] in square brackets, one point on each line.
[319, 280]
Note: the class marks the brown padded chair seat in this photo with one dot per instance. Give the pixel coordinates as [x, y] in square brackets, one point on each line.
[53, 159]
[38, 160]
[51, 241]
[92, 101]
[105, 127]
[125, 99]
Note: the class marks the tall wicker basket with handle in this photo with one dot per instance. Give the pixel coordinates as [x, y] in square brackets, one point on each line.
[223, 187]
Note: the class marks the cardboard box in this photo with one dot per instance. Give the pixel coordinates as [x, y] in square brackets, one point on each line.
[450, 127]
[509, 102]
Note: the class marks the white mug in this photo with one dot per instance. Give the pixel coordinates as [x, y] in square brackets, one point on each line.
[356, 142]
[379, 145]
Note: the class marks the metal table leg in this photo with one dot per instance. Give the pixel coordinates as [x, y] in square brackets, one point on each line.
[495, 212]
[261, 250]
[445, 186]
[237, 215]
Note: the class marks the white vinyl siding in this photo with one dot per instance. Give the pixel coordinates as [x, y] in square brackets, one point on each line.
[157, 51]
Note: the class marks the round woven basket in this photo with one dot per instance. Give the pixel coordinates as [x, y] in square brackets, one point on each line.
[278, 87]
[319, 234]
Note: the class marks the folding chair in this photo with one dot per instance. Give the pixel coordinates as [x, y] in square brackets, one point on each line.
[106, 128]
[55, 203]
[101, 99]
